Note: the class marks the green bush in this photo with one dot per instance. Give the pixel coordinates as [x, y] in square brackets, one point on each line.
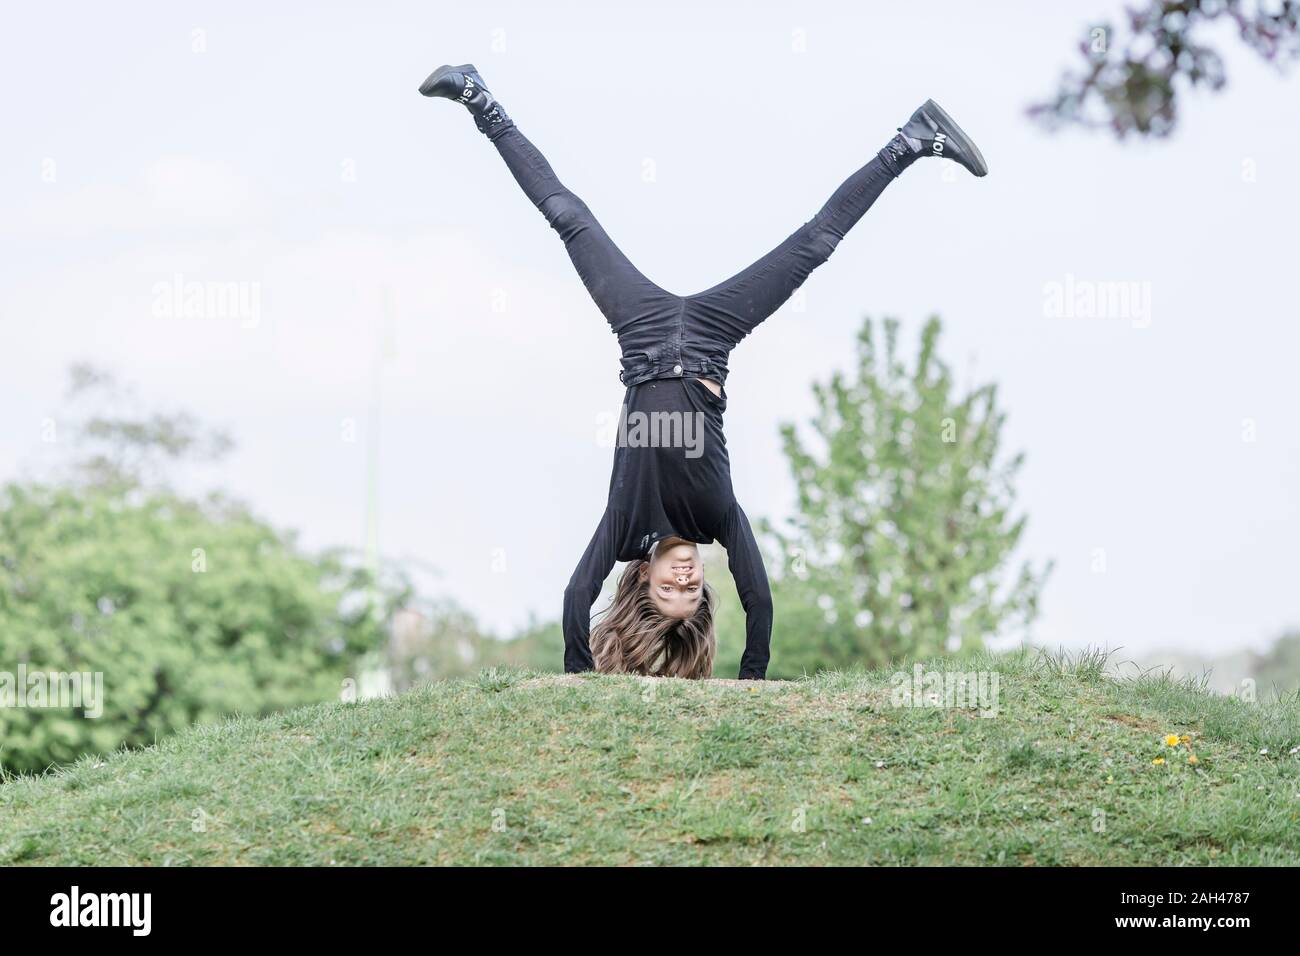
[189, 609]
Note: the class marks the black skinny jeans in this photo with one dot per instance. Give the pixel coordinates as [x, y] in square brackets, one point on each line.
[663, 335]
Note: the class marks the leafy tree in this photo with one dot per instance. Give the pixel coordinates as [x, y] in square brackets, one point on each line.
[189, 608]
[904, 530]
[1131, 80]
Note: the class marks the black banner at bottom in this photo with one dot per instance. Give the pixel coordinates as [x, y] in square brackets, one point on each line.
[367, 905]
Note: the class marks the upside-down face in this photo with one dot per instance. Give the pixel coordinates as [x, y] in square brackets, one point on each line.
[675, 577]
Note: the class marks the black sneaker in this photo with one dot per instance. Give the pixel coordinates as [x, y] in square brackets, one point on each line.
[941, 136]
[464, 85]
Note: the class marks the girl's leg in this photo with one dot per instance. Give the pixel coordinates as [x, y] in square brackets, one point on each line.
[619, 289]
[733, 308]
[628, 299]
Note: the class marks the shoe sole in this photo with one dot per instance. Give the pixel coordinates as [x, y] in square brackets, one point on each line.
[442, 71]
[957, 133]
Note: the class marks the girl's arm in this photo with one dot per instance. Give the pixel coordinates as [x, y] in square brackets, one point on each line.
[584, 587]
[746, 564]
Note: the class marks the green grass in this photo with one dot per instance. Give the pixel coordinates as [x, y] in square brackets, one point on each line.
[522, 769]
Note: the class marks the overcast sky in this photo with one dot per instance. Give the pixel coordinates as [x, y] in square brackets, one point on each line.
[288, 151]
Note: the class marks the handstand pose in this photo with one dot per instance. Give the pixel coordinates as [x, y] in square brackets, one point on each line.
[665, 500]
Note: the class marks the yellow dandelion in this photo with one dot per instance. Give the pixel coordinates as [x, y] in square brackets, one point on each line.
[1191, 758]
[1186, 739]
[1171, 740]
[1159, 761]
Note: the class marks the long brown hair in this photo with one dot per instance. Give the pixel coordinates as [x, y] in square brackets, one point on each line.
[633, 637]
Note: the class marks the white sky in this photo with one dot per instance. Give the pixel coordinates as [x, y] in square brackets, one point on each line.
[295, 154]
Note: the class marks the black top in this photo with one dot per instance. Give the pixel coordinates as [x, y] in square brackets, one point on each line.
[671, 477]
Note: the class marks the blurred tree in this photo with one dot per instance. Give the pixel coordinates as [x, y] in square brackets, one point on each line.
[118, 446]
[439, 640]
[1130, 80]
[538, 646]
[904, 527]
[190, 609]
[1277, 670]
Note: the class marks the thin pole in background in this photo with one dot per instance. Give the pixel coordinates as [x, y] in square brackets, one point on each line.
[385, 349]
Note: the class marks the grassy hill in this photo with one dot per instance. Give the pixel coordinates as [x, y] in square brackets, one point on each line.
[516, 768]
